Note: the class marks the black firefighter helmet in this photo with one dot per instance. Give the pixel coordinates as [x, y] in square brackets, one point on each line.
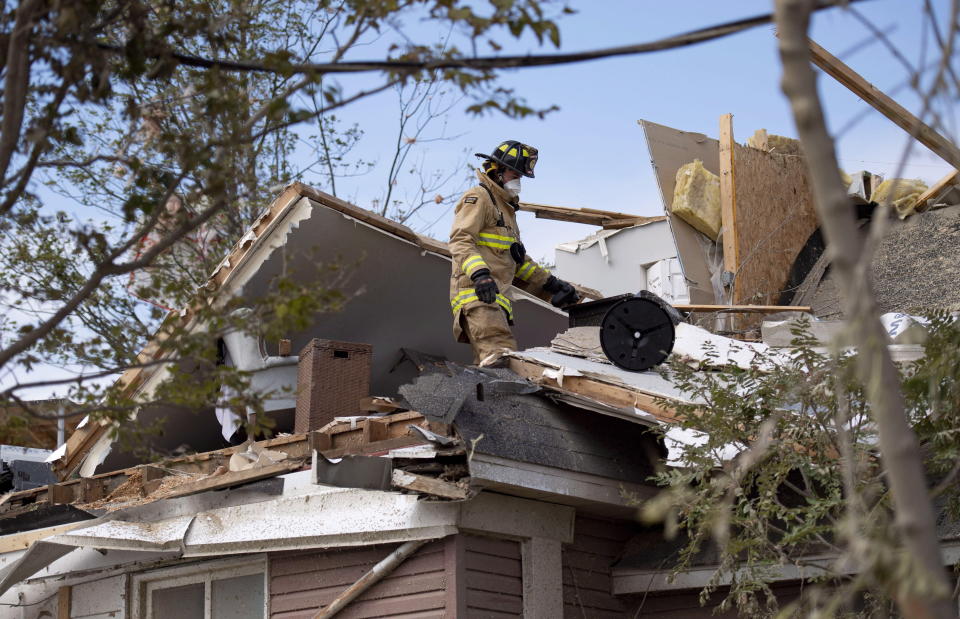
[514, 155]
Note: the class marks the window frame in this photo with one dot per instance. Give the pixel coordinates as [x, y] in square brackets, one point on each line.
[143, 584]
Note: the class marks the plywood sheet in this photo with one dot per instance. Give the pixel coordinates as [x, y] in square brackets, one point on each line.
[669, 150]
[774, 218]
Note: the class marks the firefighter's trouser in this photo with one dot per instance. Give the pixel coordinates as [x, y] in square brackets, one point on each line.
[488, 330]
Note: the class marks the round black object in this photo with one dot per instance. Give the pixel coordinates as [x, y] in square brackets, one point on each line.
[638, 333]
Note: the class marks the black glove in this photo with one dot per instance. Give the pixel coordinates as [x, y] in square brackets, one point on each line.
[484, 285]
[563, 293]
[518, 252]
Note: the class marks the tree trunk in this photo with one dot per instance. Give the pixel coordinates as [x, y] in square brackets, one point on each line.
[928, 594]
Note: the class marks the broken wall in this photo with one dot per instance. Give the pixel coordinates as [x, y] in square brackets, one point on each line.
[775, 217]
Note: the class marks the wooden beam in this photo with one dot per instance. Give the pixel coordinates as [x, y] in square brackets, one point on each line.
[728, 200]
[902, 117]
[63, 603]
[746, 309]
[950, 179]
[590, 216]
[428, 485]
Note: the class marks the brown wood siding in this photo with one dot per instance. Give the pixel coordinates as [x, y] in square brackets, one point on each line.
[493, 571]
[303, 582]
[587, 562]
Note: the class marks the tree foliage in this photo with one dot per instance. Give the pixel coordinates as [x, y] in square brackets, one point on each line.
[136, 148]
[806, 486]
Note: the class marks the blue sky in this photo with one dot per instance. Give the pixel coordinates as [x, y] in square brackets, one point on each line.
[592, 152]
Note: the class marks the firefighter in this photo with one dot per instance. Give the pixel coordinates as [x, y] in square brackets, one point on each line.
[488, 254]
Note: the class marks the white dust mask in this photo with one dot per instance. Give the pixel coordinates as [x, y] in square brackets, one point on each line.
[513, 187]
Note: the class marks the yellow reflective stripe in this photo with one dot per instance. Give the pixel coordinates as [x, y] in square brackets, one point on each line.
[473, 262]
[462, 299]
[494, 244]
[526, 270]
[468, 296]
[505, 303]
[496, 237]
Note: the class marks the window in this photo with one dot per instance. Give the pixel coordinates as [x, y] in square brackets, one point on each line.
[207, 590]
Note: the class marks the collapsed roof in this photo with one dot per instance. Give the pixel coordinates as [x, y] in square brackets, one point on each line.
[397, 283]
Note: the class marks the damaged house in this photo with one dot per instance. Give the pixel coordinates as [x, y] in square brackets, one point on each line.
[403, 482]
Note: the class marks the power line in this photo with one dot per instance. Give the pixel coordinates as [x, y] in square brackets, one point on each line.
[483, 62]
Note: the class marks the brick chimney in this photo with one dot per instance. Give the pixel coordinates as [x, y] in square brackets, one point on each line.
[332, 377]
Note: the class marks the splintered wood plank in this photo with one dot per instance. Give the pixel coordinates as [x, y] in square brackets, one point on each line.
[728, 199]
[588, 216]
[607, 393]
[950, 179]
[237, 477]
[427, 485]
[881, 102]
[374, 448]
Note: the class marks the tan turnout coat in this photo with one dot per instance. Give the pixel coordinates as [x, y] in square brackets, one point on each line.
[483, 230]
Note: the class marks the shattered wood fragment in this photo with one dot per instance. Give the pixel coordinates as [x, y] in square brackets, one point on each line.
[378, 404]
[379, 447]
[150, 472]
[91, 489]
[614, 395]
[375, 430]
[952, 178]
[228, 479]
[320, 441]
[428, 485]
[58, 494]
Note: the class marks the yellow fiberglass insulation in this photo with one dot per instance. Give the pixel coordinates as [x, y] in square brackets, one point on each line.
[696, 198]
[904, 194]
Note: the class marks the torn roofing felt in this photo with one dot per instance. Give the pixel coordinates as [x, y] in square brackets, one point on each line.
[497, 415]
[397, 284]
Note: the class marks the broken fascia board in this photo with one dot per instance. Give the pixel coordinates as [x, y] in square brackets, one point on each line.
[583, 402]
[556, 485]
[272, 238]
[650, 382]
[167, 535]
[352, 518]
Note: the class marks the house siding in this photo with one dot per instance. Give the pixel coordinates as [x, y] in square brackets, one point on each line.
[493, 575]
[587, 564]
[301, 583]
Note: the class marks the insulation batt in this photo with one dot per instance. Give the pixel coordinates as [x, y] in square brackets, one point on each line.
[696, 198]
[901, 193]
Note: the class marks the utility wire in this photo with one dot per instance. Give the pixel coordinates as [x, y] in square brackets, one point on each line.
[483, 62]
